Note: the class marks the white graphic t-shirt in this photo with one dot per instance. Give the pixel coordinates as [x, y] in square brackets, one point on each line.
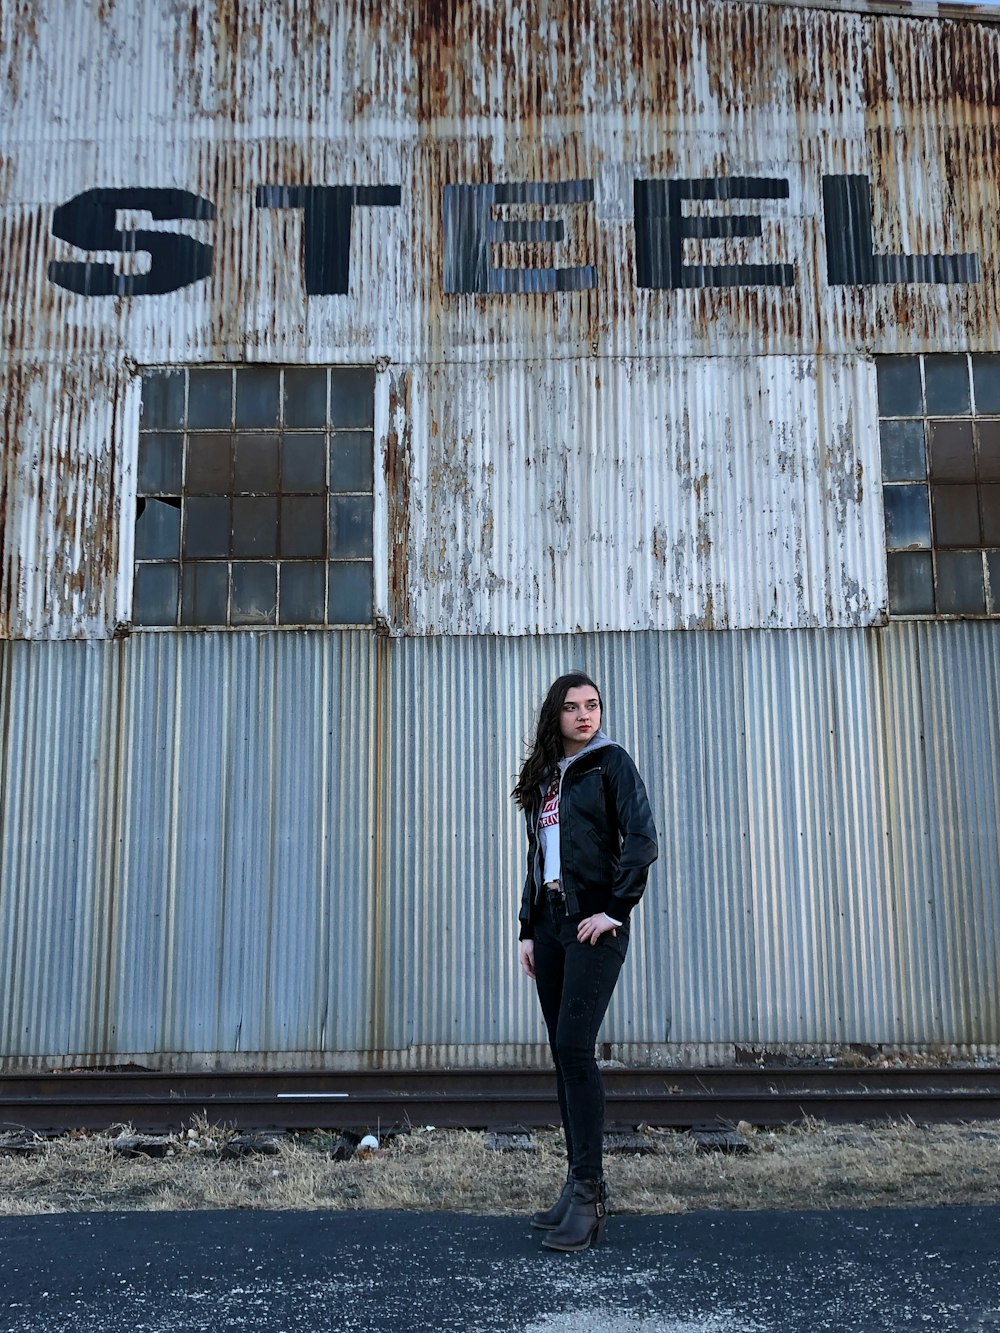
[548, 830]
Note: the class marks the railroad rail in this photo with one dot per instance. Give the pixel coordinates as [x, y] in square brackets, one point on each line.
[490, 1099]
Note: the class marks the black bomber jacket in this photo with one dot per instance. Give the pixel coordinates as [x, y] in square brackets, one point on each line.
[607, 839]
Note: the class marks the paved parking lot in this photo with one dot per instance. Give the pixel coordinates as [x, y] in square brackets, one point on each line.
[936, 1270]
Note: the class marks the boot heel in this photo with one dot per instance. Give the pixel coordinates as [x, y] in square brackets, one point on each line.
[584, 1222]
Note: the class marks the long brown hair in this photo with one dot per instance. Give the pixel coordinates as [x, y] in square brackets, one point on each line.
[548, 747]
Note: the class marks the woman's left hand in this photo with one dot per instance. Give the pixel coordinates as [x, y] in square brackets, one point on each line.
[591, 928]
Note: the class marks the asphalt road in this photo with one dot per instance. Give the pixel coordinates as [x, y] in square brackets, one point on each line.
[883, 1271]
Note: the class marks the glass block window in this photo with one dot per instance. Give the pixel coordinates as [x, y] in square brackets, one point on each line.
[254, 497]
[939, 427]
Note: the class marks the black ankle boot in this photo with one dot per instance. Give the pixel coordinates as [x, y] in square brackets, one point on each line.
[551, 1217]
[583, 1223]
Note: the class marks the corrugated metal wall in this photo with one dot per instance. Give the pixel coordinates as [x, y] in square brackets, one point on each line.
[220, 99]
[297, 847]
[301, 844]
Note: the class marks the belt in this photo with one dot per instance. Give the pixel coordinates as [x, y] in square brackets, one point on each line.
[554, 889]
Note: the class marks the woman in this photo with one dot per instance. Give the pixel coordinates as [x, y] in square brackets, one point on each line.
[591, 841]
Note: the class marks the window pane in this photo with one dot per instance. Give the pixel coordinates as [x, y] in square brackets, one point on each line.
[209, 465]
[351, 461]
[960, 583]
[947, 382]
[952, 454]
[210, 399]
[907, 519]
[302, 527]
[989, 499]
[911, 584]
[154, 600]
[305, 397]
[255, 594]
[158, 530]
[993, 574]
[350, 525]
[257, 396]
[161, 464]
[352, 398]
[302, 594]
[956, 515]
[255, 467]
[303, 463]
[204, 593]
[989, 450]
[898, 386]
[903, 455]
[206, 527]
[255, 526]
[350, 597]
[986, 376]
[162, 400]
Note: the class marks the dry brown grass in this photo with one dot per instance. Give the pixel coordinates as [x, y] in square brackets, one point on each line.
[812, 1165]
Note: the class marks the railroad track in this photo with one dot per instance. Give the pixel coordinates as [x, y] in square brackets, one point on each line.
[490, 1099]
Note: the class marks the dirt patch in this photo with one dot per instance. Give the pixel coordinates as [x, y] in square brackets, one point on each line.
[812, 1165]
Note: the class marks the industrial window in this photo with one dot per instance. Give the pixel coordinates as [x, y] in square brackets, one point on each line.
[255, 497]
[939, 424]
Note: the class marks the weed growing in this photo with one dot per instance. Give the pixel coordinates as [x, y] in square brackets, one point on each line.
[810, 1165]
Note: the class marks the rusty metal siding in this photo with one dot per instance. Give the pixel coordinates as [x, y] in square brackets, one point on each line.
[220, 99]
[572, 495]
[300, 847]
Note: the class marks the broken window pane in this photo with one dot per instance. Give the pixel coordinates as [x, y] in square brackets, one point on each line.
[993, 580]
[305, 397]
[952, 453]
[204, 592]
[256, 465]
[162, 400]
[158, 530]
[350, 596]
[258, 396]
[946, 379]
[911, 584]
[161, 464]
[960, 587]
[352, 398]
[303, 463]
[907, 518]
[956, 515]
[351, 461]
[154, 600]
[303, 527]
[899, 386]
[302, 589]
[903, 455]
[206, 527]
[209, 465]
[255, 526]
[210, 399]
[254, 593]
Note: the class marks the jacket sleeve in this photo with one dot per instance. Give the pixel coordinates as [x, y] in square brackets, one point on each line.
[639, 849]
[526, 925]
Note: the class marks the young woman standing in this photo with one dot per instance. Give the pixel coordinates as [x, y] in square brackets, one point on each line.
[591, 841]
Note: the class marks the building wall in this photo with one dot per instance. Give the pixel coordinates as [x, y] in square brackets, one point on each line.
[520, 426]
[297, 847]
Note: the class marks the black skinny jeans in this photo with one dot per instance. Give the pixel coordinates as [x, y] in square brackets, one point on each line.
[575, 983]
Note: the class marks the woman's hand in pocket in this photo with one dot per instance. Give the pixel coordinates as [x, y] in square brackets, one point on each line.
[591, 928]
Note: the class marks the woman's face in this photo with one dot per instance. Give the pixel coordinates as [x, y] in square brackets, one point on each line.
[579, 718]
